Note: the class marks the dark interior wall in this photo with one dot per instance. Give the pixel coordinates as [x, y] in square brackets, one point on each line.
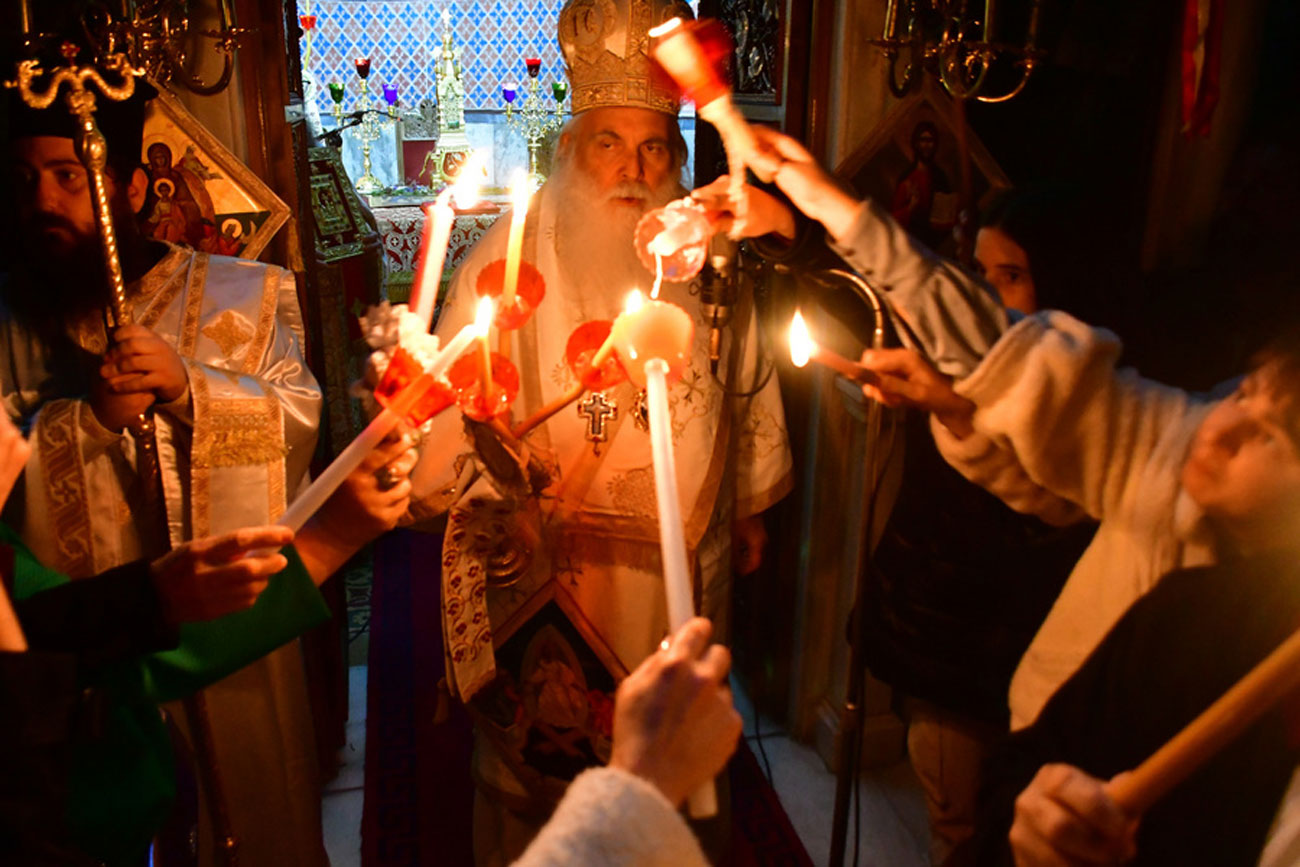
[1091, 119]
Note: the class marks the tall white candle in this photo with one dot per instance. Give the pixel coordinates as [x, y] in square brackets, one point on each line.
[672, 535]
[438, 220]
[324, 485]
[519, 192]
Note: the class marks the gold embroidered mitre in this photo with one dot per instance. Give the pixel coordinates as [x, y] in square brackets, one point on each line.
[606, 45]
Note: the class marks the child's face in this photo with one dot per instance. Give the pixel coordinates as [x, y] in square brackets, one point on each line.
[1244, 465]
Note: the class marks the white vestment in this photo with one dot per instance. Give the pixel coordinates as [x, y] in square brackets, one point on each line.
[592, 536]
[231, 451]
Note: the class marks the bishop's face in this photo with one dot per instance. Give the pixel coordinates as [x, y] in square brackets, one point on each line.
[626, 153]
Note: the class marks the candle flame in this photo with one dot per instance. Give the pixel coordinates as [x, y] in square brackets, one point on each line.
[466, 188]
[635, 301]
[802, 346]
[520, 190]
[664, 29]
[483, 319]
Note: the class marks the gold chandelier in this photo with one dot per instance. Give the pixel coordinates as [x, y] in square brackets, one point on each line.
[157, 36]
[953, 39]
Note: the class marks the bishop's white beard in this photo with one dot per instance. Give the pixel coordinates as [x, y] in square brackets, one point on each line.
[593, 238]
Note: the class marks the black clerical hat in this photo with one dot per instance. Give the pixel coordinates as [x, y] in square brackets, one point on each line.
[121, 122]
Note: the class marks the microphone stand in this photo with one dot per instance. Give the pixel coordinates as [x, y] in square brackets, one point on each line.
[851, 715]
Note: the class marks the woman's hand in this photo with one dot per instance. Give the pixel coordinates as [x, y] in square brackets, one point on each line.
[904, 378]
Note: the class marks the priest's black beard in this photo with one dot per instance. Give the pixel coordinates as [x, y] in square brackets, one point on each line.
[53, 285]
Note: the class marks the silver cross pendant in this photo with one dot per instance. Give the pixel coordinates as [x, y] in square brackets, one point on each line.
[597, 410]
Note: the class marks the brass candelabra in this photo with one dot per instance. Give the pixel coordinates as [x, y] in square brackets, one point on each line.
[534, 118]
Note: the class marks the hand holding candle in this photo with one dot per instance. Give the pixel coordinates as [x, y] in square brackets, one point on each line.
[351, 457]
[653, 338]
[680, 49]
[403, 402]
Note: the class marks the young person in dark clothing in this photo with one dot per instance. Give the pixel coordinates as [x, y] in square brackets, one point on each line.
[1179, 648]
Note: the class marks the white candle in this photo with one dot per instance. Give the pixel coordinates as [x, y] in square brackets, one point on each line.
[454, 349]
[519, 190]
[438, 220]
[672, 535]
[324, 485]
[351, 457]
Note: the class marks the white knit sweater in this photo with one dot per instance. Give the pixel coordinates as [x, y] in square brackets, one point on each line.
[1057, 426]
[610, 818]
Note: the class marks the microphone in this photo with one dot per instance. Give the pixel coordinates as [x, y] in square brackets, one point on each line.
[718, 288]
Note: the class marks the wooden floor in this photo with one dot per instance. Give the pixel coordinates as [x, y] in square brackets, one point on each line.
[894, 832]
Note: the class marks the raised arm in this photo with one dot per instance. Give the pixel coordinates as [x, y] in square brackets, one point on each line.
[942, 311]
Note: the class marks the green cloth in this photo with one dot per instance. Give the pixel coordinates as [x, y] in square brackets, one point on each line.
[123, 780]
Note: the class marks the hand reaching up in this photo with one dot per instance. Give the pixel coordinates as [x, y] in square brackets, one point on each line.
[810, 187]
[767, 215]
[674, 722]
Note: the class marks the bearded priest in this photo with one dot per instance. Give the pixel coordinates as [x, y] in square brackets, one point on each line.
[552, 581]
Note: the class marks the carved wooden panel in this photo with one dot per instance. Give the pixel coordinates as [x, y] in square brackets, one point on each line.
[758, 30]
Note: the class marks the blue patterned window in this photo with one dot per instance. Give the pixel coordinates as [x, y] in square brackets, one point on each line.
[400, 36]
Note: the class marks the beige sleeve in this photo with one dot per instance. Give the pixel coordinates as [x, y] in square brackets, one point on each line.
[1055, 420]
[610, 818]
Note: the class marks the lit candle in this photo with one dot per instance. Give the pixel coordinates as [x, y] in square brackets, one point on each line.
[657, 336]
[457, 345]
[483, 322]
[804, 349]
[439, 218]
[633, 303]
[519, 192]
